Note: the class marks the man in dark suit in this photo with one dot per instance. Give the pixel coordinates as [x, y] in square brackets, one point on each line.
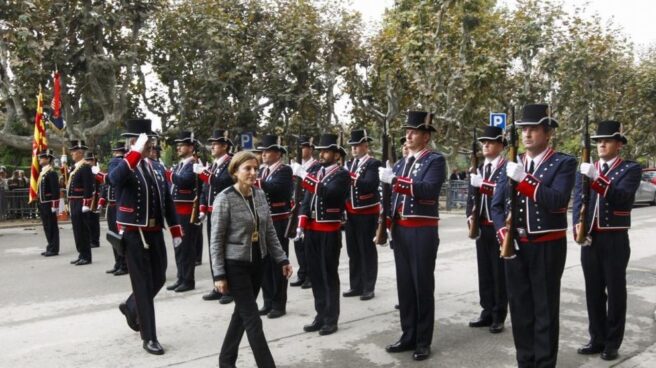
[320, 226]
[275, 179]
[362, 210]
[80, 191]
[545, 179]
[48, 194]
[491, 271]
[216, 178]
[416, 183]
[144, 203]
[605, 255]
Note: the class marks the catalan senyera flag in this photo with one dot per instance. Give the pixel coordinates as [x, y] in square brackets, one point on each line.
[39, 143]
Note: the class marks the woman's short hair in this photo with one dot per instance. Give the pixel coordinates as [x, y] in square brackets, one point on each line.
[238, 159]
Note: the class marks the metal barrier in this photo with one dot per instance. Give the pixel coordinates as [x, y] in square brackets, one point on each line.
[14, 205]
[455, 192]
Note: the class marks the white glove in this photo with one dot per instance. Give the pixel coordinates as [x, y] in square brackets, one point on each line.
[386, 174]
[589, 170]
[475, 180]
[515, 171]
[176, 242]
[299, 234]
[100, 207]
[53, 209]
[198, 168]
[299, 170]
[64, 160]
[140, 143]
[201, 217]
[95, 169]
[85, 209]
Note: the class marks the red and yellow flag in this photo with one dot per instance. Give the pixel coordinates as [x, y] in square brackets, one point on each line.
[39, 143]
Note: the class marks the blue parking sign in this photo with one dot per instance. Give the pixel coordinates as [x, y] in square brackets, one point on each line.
[498, 119]
[247, 140]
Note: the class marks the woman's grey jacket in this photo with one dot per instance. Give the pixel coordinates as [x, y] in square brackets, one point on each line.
[232, 227]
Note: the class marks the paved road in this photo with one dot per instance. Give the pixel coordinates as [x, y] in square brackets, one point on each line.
[58, 315]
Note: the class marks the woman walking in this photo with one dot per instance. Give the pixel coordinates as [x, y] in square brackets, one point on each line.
[243, 234]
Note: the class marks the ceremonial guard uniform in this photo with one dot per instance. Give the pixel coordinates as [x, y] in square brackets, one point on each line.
[416, 184]
[310, 165]
[320, 223]
[48, 187]
[614, 183]
[94, 213]
[276, 181]
[184, 192]
[80, 192]
[491, 270]
[143, 203]
[108, 200]
[215, 179]
[533, 277]
[362, 210]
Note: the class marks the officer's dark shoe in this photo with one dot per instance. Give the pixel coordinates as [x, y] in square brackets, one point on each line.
[75, 261]
[481, 322]
[367, 296]
[95, 245]
[264, 310]
[83, 262]
[298, 282]
[50, 254]
[306, 284]
[398, 347]
[112, 270]
[421, 353]
[312, 327]
[43, 253]
[153, 347]
[187, 286]
[609, 354]
[496, 327]
[397, 307]
[350, 293]
[121, 272]
[226, 299]
[212, 295]
[327, 330]
[276, 313]
[131, 320]
[173, 286]
[590, 348]
[198, 263]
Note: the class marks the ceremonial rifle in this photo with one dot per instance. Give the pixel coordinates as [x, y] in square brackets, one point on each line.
[298, 194]
[581, 233]
[385, 213]
[475, 211]
[508, 245]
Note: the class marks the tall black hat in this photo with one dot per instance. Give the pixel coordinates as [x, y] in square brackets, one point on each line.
[88, 155]
[304, 140]
[135, 127]
[47, 153]
[358, 136]
[220, 135]
[77, 144]
[492, 133]
[271, 142]
[536, 114]
[186, 137]
[609, 129]
[420, 120]
[329, 141]
[119, 147]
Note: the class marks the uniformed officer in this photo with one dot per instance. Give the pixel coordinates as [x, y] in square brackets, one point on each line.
[362, 210]
[184, 192]
[216, 178]
[545, 179]
[310, 164]
[108, 199]
[275, 179]
[320, 226]
[48, 193]
[80, 192]
[614, 182]
[156, 161]
[143, 203]
[491, 271]
[416, 184]
[94, 214]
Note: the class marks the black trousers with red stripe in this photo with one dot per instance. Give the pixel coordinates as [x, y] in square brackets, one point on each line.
[274, 284]
[533, 281]
[604, 267]
[362, 252]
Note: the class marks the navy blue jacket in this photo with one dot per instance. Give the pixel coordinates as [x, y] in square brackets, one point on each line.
[486, 190]
[219, 178]
[363, 192]
[81, 183]
[611, 197]
[324, 200]
[277, 187]
[542, 197]
[49, 188]
[418, 194]
[183, 188]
